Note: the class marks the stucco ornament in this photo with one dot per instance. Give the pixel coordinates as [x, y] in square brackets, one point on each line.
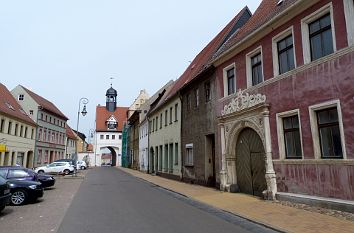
[243, 101]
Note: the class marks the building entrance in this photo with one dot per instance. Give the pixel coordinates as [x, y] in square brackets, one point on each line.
[250, 163]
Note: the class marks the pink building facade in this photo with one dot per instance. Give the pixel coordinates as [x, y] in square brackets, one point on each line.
[285, 86]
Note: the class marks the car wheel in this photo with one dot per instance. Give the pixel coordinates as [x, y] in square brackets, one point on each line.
[66, 172]
[2, 207]
[82, 168]
[40, 172]
[19, 197]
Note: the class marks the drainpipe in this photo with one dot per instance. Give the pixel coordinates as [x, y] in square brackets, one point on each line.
[35, 138]
[180, 137]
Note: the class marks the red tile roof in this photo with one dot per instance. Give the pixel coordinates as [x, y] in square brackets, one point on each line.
[10, 107]
[70, 133]
[45, 104]
[102, 115]
[202, 61]
[267, 10]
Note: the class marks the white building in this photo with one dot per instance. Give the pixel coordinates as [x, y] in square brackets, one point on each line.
[144, 128]
[109, 126]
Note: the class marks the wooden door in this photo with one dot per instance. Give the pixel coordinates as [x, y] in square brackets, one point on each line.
[250, 164]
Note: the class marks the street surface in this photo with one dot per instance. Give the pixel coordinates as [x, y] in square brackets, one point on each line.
[111, 201]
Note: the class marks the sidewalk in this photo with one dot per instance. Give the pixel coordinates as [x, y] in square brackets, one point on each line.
[266, 212]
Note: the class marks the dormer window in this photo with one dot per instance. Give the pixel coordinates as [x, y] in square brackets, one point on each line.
[112, 123]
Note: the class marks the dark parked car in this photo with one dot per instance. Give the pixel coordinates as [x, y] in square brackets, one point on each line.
[5, 193]
[21, 173]
[23, 191]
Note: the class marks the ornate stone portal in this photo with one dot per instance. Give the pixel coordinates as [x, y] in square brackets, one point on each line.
[245, 111]
[243, 101]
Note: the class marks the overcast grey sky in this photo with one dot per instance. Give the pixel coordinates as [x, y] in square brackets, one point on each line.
[67, 49]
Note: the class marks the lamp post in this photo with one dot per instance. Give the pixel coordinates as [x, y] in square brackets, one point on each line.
[92, 135]
[84, 101]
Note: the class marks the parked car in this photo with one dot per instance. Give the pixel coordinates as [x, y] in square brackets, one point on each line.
[56, 167]
[21, 173]
[5, 193]
[81, 165]
[71, 161]
[23, 191]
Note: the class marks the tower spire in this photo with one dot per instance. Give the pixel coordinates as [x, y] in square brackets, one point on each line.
[111, 98]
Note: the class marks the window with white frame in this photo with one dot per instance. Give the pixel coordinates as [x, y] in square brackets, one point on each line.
[254, 67]
[189, 155]
[318, 34]
[289, 135]
[327, 130]
[283, 52]
[229, 80]
[292, 137]
[21, 97]
[349, 19]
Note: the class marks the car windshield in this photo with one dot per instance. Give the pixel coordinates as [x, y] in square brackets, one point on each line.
[2, 180]
[3, 173]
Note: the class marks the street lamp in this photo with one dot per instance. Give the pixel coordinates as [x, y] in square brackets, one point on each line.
[91, 134]
[84, 101]
[92, 138]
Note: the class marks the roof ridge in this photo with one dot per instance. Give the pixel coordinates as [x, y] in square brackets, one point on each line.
[10, 106]
[45, 103]
[202, 60]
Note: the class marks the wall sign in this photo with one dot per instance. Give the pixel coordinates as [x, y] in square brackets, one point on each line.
[2, 148]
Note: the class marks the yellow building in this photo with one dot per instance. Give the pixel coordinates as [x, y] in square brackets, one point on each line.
[17, 132]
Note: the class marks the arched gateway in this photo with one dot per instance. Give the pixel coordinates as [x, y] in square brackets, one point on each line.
[246, 146]
[250, 163]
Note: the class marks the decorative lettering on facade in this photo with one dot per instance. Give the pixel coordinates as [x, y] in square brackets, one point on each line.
[243, 101]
